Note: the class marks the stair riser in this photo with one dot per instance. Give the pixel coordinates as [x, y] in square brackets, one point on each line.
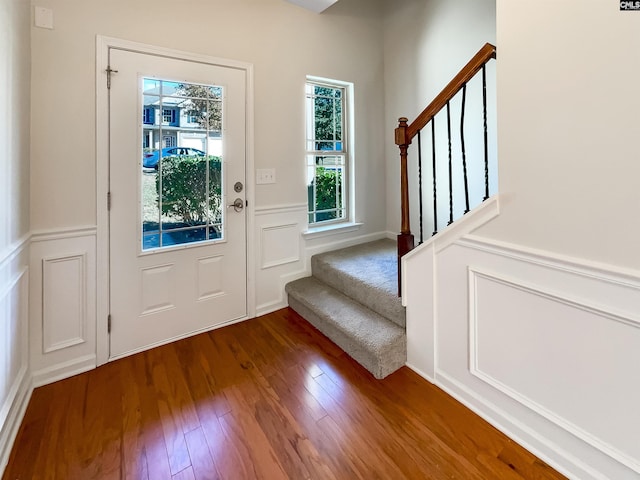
[379, 302]
[380, 366]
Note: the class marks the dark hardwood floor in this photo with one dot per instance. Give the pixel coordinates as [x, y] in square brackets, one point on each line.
[269, 398]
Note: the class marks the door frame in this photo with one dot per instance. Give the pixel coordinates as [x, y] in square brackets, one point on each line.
[103, 44]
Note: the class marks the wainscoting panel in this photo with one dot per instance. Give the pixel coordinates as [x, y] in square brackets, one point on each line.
[544, 347]
[279, 245]
[63, 293]
[64, 303]
[279, 260]
[15, 380]
[558, 362]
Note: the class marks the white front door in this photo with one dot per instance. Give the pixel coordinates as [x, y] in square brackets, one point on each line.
[177, 249]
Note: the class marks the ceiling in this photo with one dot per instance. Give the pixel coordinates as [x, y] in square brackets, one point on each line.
[317, 6]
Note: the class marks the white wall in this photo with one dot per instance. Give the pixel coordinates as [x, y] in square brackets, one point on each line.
[568, 118]
[14, 218]
[425, 44]
[532, 320]
[284, 43]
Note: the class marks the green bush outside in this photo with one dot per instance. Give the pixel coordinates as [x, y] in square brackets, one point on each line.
[327, 181]
[184, 189]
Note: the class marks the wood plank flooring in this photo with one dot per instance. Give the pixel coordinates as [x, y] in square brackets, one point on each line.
[270, 398]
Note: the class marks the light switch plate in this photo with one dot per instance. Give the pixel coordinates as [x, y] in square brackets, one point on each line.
[265, 176]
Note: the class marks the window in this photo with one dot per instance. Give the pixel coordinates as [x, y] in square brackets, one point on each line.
[169, 116]
[181, 186]
[148, 115]
[326, 152]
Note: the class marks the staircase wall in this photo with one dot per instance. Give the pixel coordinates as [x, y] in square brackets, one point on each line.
[543, 346]
[444, 36]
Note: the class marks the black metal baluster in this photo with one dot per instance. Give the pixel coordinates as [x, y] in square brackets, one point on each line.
[420, 183]
[435, 189]
[486, 146]
[464, 153]
[450, 165]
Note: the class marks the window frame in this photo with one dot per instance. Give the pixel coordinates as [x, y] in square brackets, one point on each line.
[345, 152]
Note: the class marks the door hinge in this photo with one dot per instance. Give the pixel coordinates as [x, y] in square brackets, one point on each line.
[108, 200]
[109, 71]
[109, 323]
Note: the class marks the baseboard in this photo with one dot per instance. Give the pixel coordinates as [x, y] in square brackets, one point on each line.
[270, 307]
[421, 373]
[19, 399]
[63, 370]
[541, 447]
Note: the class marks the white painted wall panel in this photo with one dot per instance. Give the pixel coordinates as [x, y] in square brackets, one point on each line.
[562, 358]
[278, 263]
[63, 306]
[64, 300]
[279, 244]
[546, 348]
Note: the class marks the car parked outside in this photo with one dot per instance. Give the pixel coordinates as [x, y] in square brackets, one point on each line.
[151, 159]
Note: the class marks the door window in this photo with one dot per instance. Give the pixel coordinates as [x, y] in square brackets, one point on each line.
[181, 186]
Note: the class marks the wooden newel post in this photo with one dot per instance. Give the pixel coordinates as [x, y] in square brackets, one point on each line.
[405, 239]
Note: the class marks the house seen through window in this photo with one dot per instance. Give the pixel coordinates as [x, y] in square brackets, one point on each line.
[326, 152]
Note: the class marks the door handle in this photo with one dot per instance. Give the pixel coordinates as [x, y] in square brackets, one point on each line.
[238, 204]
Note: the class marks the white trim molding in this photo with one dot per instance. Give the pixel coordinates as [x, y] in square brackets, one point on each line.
[63, 233]
[14, 250]
[281, 209]
[12, 413]
[63, 370]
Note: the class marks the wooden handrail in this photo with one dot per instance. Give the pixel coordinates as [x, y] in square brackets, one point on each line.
[474, 65]
[405, 132]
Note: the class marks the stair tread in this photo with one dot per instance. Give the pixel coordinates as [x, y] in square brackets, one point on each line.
[367, 273]
[371, 329]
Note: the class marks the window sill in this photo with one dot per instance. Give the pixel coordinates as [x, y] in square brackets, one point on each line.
[326, 230]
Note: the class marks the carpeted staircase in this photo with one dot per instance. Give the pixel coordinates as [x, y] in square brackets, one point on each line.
[351, 297]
